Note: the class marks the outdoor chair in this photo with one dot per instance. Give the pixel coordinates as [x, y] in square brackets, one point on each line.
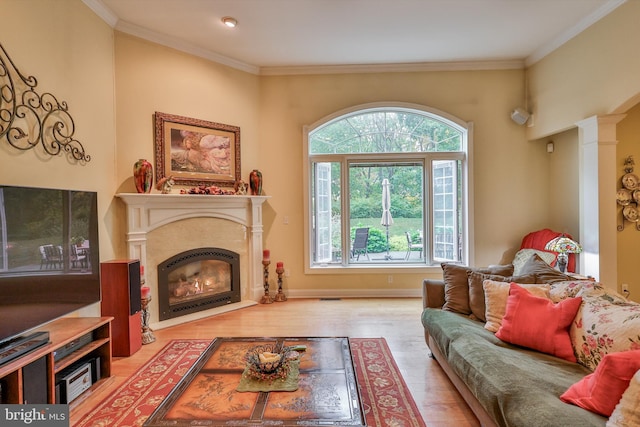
[77, 257]
[51, 257]
[360, 243]
[411, 246]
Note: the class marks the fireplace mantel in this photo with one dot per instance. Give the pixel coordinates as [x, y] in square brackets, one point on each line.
[146, 212]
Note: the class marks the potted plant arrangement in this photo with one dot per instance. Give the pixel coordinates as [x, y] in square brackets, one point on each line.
[77, 240]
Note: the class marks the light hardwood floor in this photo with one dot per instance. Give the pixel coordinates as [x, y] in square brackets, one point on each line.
[397, 320]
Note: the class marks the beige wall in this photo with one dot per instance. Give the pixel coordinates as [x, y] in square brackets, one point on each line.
[595, 73]
[70, 52]
[151, 78]
[564, 200]
[272, 111]
[505, 163]
[629, 238]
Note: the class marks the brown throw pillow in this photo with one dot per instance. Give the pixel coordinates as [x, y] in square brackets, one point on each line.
[456, 284]
[476, 290]
[543, 271]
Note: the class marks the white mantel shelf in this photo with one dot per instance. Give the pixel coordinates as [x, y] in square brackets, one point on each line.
[151, 211]
[146, 212]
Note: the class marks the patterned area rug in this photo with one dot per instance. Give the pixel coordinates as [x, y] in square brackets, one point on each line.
[385, 397]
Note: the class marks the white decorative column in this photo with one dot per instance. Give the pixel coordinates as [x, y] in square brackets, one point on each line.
[598, 208]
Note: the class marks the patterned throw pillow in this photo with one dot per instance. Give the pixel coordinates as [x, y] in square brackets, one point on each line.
[606, 323]
[626, 413]
[578, 288]
[568, 289]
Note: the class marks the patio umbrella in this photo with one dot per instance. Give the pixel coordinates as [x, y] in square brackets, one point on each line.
[387, 219]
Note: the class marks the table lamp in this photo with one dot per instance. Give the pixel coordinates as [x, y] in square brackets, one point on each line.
[563, 246]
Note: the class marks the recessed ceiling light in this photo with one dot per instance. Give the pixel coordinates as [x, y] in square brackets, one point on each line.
[229, 21]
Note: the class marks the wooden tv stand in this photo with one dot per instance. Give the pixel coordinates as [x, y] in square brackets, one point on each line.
[61, 333]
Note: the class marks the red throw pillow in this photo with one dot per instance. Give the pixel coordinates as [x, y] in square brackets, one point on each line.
[538, 323]
[601, 391]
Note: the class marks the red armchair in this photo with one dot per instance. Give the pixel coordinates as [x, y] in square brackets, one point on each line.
[539, 239]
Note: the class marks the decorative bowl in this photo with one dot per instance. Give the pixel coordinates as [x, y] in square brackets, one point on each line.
[275, 366]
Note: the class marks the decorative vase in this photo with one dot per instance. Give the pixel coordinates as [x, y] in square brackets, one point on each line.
[255, 182]
[143, 176]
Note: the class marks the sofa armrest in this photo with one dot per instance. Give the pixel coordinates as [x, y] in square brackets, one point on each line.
[432, 293]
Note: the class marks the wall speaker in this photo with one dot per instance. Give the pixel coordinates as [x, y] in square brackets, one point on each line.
[520, 116]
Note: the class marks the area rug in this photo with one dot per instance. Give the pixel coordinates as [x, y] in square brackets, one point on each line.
[385, 397]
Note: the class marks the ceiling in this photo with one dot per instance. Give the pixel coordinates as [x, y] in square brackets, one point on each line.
[280, 36]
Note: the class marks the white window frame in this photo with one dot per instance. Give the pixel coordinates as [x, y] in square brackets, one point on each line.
[465, 156]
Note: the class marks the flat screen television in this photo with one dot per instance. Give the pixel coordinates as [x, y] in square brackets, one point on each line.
[49, 258]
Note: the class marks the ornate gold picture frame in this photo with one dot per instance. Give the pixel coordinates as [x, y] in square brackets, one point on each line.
[196, 152]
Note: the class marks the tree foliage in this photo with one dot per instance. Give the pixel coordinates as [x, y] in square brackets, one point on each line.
[390, 131]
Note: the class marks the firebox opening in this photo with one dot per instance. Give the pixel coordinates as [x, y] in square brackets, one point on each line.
[196, 280]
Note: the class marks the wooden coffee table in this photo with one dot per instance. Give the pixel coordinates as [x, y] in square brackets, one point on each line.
[327, 391]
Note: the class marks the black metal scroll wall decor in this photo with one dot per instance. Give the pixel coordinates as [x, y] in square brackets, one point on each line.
[29, 119]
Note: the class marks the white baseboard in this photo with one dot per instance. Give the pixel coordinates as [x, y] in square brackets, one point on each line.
[354, 293]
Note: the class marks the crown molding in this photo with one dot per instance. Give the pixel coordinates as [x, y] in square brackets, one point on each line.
[171, 42]
[511, 64]
[102, 11]
[570, 33]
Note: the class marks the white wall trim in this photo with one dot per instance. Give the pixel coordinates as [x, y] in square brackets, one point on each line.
[353, 293]
[102, 11]
[394, 68]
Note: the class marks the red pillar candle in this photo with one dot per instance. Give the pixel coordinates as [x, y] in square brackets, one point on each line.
[266, 254]
[280, 264]
[145, 292]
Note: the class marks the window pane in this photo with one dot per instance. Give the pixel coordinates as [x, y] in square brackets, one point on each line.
[385, 132]
[393, 144]
[326, 213]
[446, 210]
[388, 217]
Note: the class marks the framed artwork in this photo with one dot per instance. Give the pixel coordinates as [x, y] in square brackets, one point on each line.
[196, 152]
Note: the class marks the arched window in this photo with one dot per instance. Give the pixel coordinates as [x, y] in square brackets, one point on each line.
[387, 185]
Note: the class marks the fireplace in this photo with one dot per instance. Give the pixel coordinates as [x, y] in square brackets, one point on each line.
[196, 280]
[159, 226]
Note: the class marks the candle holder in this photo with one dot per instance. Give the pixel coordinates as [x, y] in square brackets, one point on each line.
[147, 332]
[280, 296]
[266, 298]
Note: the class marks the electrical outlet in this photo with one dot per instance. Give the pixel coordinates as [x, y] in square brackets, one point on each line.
[625, 288]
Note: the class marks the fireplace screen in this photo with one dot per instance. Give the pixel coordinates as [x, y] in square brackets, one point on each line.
[197, 280]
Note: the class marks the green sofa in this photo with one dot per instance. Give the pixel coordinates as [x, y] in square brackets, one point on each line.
[503, 384]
